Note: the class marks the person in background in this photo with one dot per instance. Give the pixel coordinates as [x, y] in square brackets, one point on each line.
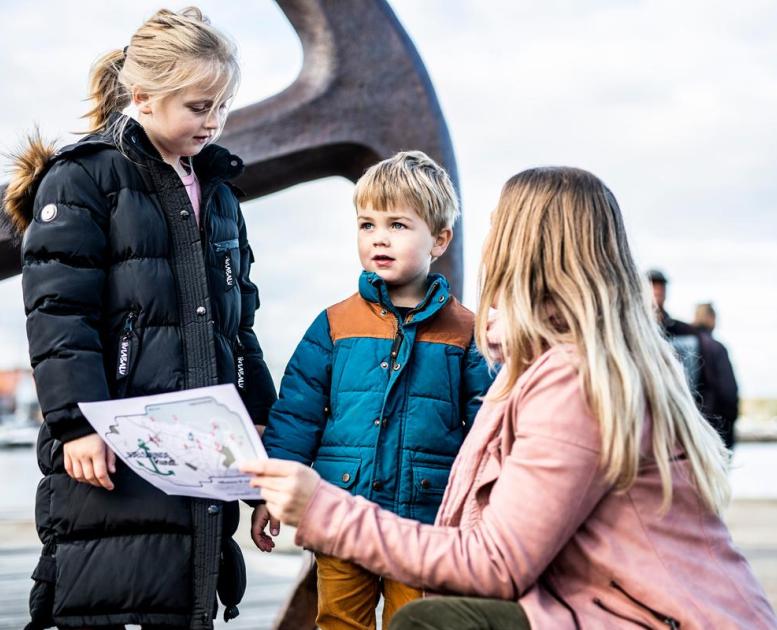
[720, 394]
[683, 336]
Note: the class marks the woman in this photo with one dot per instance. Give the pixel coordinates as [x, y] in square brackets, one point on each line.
[590, 487]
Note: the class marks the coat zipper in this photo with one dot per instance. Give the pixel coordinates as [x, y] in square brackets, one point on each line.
[606, 608]
[397, 343]
[665, 619]
[124, 360]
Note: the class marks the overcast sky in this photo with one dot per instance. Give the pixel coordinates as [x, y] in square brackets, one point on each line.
[672, 104]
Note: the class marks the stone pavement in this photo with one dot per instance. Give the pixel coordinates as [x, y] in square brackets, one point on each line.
[753, 525]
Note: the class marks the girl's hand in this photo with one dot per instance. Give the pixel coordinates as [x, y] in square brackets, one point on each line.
[259, 520]
[286, 486]
[89, 460]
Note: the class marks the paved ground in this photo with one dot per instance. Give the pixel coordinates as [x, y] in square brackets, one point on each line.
[753, 524]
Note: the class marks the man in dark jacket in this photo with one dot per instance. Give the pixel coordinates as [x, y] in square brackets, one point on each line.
[720, 395]
[683, 337]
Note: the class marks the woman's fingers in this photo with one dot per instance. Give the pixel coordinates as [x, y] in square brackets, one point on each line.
[270, 467]
[68, 465]
[110, 458]
[275, 526]
[274, 483]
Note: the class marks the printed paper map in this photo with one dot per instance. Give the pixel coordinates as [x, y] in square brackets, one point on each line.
[189, 442]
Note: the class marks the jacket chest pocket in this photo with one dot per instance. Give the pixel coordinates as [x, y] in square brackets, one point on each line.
[454, 358]
[227, 258]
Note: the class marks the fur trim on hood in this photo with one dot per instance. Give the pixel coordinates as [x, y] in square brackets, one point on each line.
[29, 164]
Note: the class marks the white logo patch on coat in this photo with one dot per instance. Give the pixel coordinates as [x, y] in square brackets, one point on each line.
[228, 277]
[48, 213]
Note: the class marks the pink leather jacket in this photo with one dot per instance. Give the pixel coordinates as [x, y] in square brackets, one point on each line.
[528, 516]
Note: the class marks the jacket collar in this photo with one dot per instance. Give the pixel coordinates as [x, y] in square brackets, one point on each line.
[374, 289]
[213, 162]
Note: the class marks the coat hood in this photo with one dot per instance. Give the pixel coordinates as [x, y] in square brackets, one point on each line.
[29, 164]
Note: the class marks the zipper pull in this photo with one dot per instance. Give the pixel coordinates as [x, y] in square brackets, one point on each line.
[124, 356]
[129, 324]
[397, 344]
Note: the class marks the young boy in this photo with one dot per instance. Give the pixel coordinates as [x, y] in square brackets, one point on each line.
[381, 391]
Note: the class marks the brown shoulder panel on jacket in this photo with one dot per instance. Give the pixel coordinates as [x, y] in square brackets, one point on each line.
[356, 317]
[453, 325]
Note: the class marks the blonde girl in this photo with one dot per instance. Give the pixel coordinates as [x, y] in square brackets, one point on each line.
[136, 281]
[588, 492]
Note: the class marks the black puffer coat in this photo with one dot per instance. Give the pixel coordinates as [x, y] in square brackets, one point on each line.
[125, 296]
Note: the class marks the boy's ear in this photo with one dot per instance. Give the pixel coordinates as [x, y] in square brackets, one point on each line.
[441, 242]
[141, 100]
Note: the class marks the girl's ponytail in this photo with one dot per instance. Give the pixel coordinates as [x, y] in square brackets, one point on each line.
[105, 90]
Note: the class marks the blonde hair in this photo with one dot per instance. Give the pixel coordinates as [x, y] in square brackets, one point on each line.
[410, 178]
[558, 266]
[168, 53]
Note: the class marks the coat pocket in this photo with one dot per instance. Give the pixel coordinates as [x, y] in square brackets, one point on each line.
[429, 484]
[340, 471]
[661, 617]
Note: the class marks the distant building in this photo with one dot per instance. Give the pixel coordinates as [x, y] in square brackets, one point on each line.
[18, 399]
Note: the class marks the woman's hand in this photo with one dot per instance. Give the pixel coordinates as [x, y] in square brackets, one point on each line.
[286, 486]
[259, 520]
[89, 460]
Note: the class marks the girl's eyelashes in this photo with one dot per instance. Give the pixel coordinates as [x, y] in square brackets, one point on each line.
[203, 108]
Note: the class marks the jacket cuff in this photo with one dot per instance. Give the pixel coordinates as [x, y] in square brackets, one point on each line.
[318, 528]
[71, 429]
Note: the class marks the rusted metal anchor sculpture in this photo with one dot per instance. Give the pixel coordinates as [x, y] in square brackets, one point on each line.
[362, 94]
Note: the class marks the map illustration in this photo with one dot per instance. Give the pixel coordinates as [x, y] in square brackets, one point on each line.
[188, 443]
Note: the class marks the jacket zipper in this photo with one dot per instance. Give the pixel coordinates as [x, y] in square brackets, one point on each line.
[606, 608]
[665, 619]
[397, 343]
[545, 582]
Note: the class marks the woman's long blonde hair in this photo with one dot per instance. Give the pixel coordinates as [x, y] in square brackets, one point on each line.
[558, 266]
[169, 52]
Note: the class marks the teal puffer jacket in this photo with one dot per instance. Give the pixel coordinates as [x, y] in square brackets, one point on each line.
[380, 406]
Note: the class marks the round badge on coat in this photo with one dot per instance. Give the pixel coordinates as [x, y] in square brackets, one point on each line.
[48, 213]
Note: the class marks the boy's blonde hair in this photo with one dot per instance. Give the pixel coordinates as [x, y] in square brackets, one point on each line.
[169, 52]
[557, 265]
[414, 179]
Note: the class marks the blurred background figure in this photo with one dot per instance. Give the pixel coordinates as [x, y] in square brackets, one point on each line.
[683, 336]
[719, 391]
